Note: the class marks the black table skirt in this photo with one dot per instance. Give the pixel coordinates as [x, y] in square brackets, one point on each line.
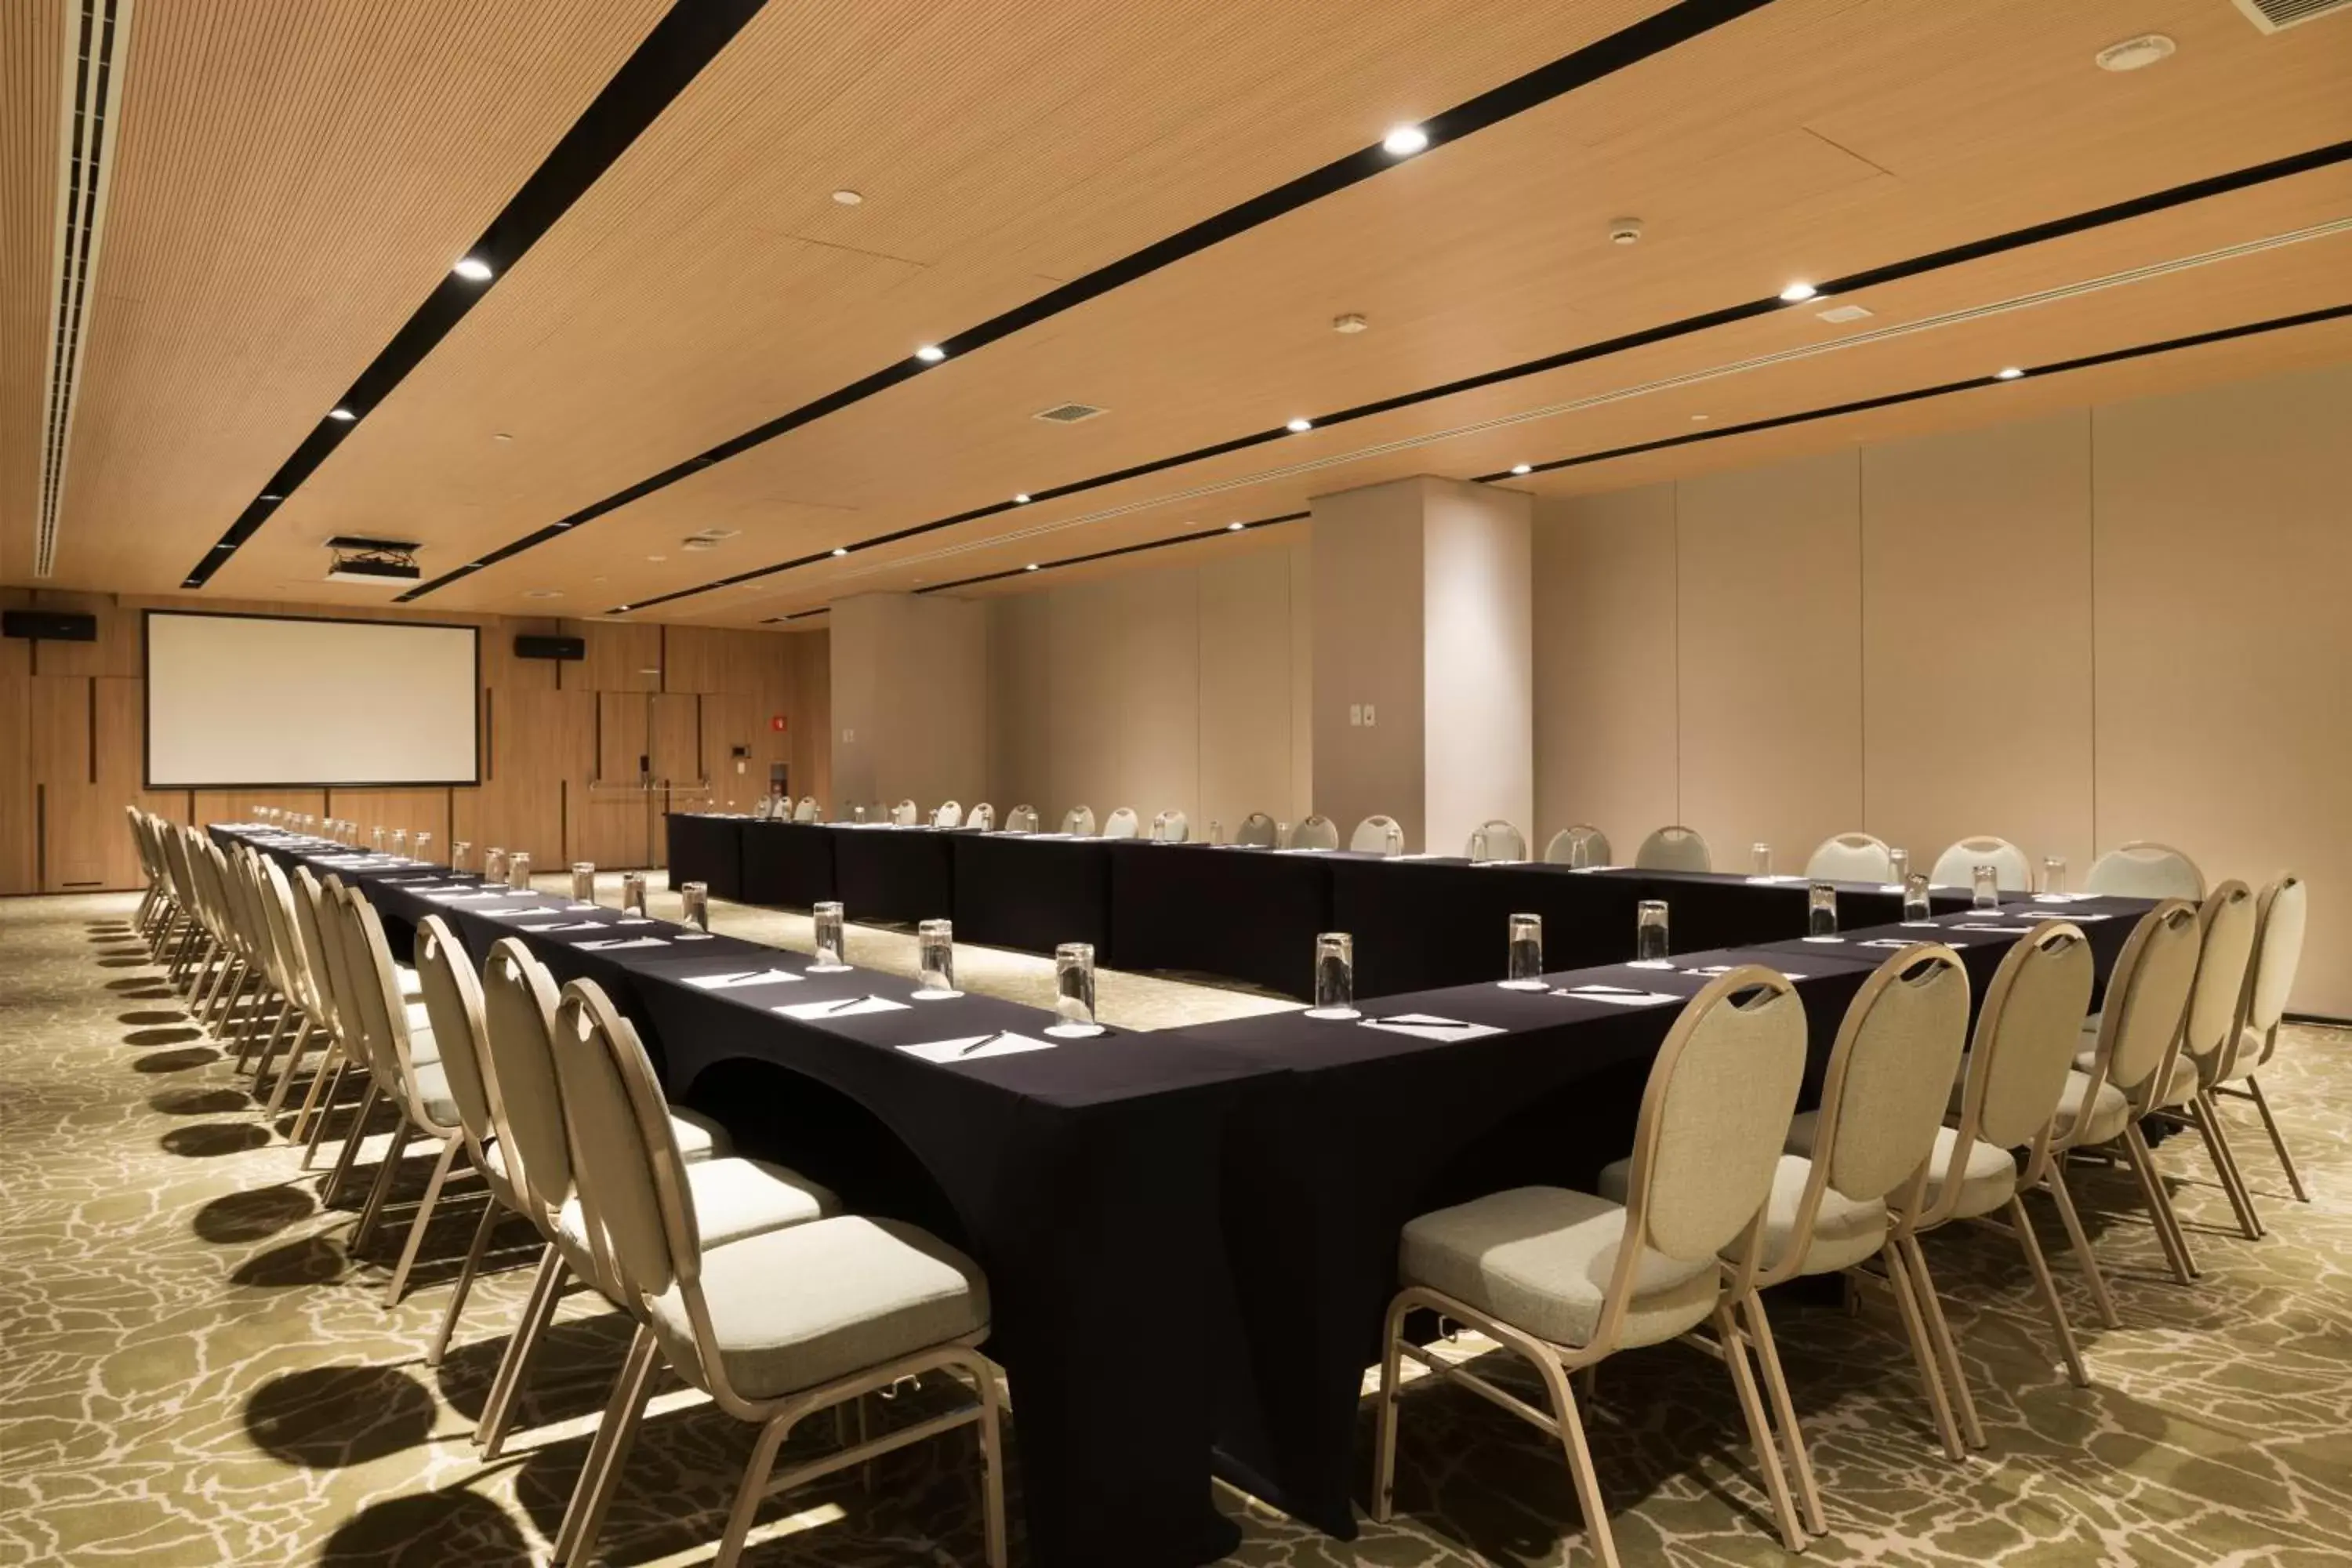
[707, 849]
[1246, 914]
[1423, 923]
[787, 863]
[894, 873]
[1032, 893]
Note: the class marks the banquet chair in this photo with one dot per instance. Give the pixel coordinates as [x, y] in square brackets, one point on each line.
[1122, 823]
[1582, 845]
[172, 909]
[774, 1327]
[182, 955]
[980, 817]
[300, 891]
[1882, 1105]
[2270, 976]
[2010, 1082]
[1172, 827]
[1496, 840]
[1955, 866]
[1850, 858]
[1023, 819]
[313, 917]
[1377, 835]
[299, 1011]
[1079, 821]
[2145, 869]
[949, 814]
[1567, 1278]
[807, 811]
[1315, 831]
[1256, 831]
[152, 894]
[2209, 1032]
[523, 1088]
[1674, 849]
[904, 813]
[2146, 998]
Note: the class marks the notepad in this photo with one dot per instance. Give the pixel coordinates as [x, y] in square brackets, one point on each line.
[564, 925]
[820, 1012]
[1429, 1026]
[972, 1048]
[1617, 995]
[2008, 931]
[742, 981]
[1887, 942]
[611, 943]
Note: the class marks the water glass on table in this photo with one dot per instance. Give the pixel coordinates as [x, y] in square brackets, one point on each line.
[1650, 931]
[1986, 880]
[1821, 910]
[494, 864]
[1762, 855]
[424, 844]
[583, 881]
[2053, 873]
[375, 838]
[518, 871]
[1526, 961]
[1898, 867]
[1335, 976]
[693, 904]
[1074, 991]
[935, 950]
[633, 893]
[461, 853]
[831, 951]
[1915, 907]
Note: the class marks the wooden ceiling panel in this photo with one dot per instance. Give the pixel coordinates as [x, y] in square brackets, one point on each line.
[30, 72]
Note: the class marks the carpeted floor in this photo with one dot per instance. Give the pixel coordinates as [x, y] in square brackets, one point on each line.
[194, 1372]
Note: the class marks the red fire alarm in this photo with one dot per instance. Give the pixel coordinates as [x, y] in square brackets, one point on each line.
[777, 722]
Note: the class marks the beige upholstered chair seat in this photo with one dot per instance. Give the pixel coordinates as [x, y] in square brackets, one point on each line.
[2250, 1052]
[795, 1309]
[698, 1137]
[732, 1198]
[411, 987]
[1541, 1259]
[1845, 1231]
[433, 1094]
[2110, 1112]
[2179, 1090]
[1987, 1182]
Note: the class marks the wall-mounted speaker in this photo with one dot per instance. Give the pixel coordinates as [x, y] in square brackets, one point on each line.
[50, 626]
[551, 648]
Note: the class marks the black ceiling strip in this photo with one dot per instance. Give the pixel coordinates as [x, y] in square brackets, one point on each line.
[1653, 35]
[1952, 256]
[685, 40]
[2254, 329]
[797, 616]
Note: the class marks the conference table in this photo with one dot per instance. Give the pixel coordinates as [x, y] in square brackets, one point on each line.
[1190, 1233]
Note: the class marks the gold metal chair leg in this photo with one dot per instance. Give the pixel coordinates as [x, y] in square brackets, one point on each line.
[2159, 1206]
[351, 1142]
[2207, 1114]
[1947, 1349]
[1571, 1421]
[491, 1210]
[2278, 1139]
[600, 1474]
[522, 1348]
[1385, 1417]
[1792, 1436]
[450, 1149]
[2031, 1245]
[1923, 1351]
[1759, 1430]
[2081, 1242]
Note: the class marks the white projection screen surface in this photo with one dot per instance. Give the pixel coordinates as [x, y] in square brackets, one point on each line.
[255, 701]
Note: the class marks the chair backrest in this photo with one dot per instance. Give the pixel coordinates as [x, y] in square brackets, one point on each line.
[624, 1156]
[519, 998]
[315, 958]
[1714, 1117]
[453, 1001]
[335, 942]
[949, 814]
[1890, 1074]
[2027, 1033]
[2146, 869]
[981, 816]
[904, 813]
[1079, 821]
[385, 1010]
[2228, 917]
[278, 893]
[1172, 827]
[1582, 845]
[1021, 819]
[1955, 866]
[1122, 823]
[807, 809]
[1674, 848]
[1495, 839]
[2147, 997]
[2278, 952]
[1377, 835]
[1315, 831]
[1850, 858]
[1256, 830]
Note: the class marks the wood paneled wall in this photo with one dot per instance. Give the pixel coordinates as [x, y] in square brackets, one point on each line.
[559, 741]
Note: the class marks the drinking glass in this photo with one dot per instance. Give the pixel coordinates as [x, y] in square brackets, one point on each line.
[693, 904]
[857, 812]
[494, 865]
[518, 871]
[936, 950]
[583, 881]
[1821, 910]
[1763, 853]
[1914, 896]
[460, 853]
[1216, 831]
[1526, 961]
[375, 838]
[1073, 988]
[1392, 841]
[424, 844]
[831, 950]
[1282, 836]
[2053, 873]
[632, 892]
[1898, 867]
[400, 842]
[1986, 879]
[1335, 976]
[1650, 931]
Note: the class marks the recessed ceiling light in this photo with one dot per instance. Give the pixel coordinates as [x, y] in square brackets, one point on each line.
[2133, 54]
[1521, 468]
[1030, 567]
[1352, 323]
[1404, 140]
[273, 498]
[1235, 527]
[841, 550]
[657, 557]
[342, 414]
[849, 198]
[2008, 373]
[1701, 418]
[542, 593]
[1797, 292]
[500, 436]
[930, 353]
[1021, 499]
[620, 609]
[473, 270]
[1299, 426]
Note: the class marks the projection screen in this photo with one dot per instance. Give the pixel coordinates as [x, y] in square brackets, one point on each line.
[284, 701]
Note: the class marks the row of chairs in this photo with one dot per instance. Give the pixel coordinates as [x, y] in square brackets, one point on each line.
[1922, 1122]
[744, 1278]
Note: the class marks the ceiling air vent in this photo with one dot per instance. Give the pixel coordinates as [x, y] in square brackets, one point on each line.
[2274, 16]
[1079, 413]
[90, 96]
[709, 539]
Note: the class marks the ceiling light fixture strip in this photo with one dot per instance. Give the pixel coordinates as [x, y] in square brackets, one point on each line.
[687, 38]
[1556, 78]
[1932, 261]
[1194, 537]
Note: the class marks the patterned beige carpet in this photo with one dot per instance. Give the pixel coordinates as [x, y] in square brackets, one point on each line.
[194, 1372]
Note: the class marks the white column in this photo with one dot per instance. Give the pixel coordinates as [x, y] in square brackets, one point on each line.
[909, 678]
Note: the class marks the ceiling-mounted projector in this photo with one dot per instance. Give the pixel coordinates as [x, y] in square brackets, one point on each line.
[373, 561]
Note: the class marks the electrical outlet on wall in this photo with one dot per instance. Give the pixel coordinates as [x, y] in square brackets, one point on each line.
[1368, 715]
[849, 737]
[1356, 715]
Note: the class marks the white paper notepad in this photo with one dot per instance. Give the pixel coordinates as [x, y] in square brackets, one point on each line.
[1618, 996]
[742, 981]
[611, 943]
[975, 1047]
[1430, 1026]
[818, 1012]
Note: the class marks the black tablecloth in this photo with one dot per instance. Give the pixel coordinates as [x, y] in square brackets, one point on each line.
[1083, 1179]
[787, 863]
[1247, 914]
[708, 848]
[1021, 890]
[894, 873]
